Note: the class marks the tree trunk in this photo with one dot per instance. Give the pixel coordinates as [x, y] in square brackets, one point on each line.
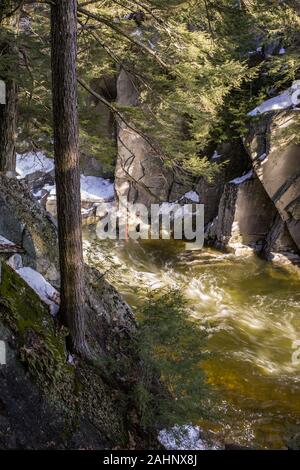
[64, 82]
[8, 110]
[8, 129]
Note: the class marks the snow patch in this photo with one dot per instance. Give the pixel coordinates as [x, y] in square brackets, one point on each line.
[243, 178]
[32, 162]
[93, 189]
[96, 189]
[192, 196]
[262, 157]
[216, 155]
[5, 242]
[47, 293]
[186, 437]
[285, 100]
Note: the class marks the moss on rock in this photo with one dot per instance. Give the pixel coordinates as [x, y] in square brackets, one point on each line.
[79, 390]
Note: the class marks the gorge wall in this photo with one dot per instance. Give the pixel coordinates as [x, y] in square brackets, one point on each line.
[253, 204]
[46, 397]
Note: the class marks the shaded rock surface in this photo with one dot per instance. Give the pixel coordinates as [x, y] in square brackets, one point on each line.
[260, 211]
[24, 222]
[235, 162]
[244, 219]
[275, 152]
[140, 174]
[47, 398]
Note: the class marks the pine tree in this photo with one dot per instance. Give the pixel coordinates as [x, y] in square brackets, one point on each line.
[8, 111]
[64, 57]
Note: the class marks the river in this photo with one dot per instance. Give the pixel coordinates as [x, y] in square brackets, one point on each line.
[249, 312]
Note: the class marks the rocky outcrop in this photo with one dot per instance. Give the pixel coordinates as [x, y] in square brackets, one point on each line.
[260, 211]
[273, 146]
[279, 246]
[140, 174]
[46, 398]
[233, 162]
[36, 170]
[245, 217]
[24, 222]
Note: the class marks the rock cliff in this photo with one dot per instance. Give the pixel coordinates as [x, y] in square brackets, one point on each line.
[49, 399]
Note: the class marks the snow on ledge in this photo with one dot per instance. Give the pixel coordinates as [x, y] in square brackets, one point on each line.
[42, 288]
[5, 242]
[6, 246]
[46, 292]
[192, 196]
[93, 188]
[185, 437]
[31, 162]
[96, 189]
[242, 179]
[285, 100]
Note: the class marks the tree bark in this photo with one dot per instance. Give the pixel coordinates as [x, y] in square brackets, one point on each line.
[8, 129]
[64, 83]
[8, 110]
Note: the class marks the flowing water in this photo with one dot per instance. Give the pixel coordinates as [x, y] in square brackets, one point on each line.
[250, 312]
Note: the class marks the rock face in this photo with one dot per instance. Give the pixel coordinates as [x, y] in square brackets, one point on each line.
[245, 217]
[279, 246]
[235, 162]
[24, 222]
[275, 153]
[261, 211]
[140, 174]
[46, 398]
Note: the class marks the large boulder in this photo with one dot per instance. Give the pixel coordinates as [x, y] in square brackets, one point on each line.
[273, 146]
[46, 398]
[233, 162]
[140, 174]
[24, 222]
[245, 217]
[279, 246]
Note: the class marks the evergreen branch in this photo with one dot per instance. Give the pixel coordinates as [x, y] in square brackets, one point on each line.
[12, 12]
[116, 112]
[130, 38]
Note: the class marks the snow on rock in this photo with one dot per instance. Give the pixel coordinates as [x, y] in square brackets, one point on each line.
[32, 162]
[216, 155]
[38, 283]
[192, 196]
[262, 157]
[15, 262]
[47, 188]
[287, 99]
[93, 189]
[5, 242]
[96, 189]
[242, 179]
[186, 437]
[6, 246]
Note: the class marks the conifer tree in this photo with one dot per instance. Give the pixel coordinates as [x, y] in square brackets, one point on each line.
[9, 18]
[64, 58]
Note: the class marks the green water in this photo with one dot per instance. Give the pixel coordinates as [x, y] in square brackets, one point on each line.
[250, 313]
